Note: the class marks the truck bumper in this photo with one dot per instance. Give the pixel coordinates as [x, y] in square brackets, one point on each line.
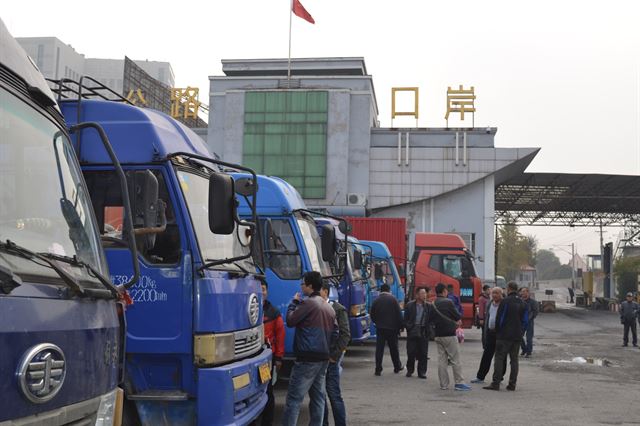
[225, 401]
[360, 328]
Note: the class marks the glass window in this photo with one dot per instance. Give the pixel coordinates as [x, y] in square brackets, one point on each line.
[195, 188]
[44, 204]
[435, 262]
[285, 135]
[106, 197]
[312, 242]
[281, 251]
[452, 266]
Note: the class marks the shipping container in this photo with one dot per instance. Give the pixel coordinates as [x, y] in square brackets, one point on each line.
[390, 230]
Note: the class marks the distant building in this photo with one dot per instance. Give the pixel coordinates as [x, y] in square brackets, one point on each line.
[527, 277]
[320, 131]
[57, 60]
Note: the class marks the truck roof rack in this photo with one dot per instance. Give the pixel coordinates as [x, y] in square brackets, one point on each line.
[85, 88]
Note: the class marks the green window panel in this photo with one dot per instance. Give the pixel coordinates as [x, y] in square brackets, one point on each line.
[285, 135]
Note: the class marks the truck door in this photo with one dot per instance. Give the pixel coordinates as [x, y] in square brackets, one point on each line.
[159, 321]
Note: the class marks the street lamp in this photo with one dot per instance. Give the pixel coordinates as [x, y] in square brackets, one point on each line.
[573, 261]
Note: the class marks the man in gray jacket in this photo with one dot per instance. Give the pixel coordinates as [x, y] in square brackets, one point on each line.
[628, 315]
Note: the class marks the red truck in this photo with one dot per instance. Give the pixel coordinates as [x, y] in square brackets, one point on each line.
[444, 258]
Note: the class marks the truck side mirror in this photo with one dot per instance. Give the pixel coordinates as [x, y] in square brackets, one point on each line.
[146, 206]
[344, 227]
[328, 242]
[222, 204]
[357, 259]
[378, 273]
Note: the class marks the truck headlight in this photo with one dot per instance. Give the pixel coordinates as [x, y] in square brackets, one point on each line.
[212, 349]
[107, 410]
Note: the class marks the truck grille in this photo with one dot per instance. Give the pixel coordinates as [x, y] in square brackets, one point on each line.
[248, 342]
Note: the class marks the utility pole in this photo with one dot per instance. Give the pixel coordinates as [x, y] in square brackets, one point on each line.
[573, 266]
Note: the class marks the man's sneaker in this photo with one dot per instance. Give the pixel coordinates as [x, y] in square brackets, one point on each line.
[523, 353]
[527, 355]
[421, 376]
[444, 388]
[378, 373]
[409, 374]
[624, 345]
[398, 370]
[462, 387]
[511, 387]
[477, 380]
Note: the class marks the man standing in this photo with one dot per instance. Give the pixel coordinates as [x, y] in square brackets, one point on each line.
[532, 307]
[454, 298]
[387, 316]
[511, 321]
[316, 329]
[274, 337]
[418, 315]
[446, 321]
[334, 370]
[483, 300]
[628, 314]
[489, 335]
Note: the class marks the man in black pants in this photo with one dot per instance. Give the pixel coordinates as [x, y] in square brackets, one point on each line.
[489, 335]
[386, 315]
[628, 313]
[511, 321]
[417, 315]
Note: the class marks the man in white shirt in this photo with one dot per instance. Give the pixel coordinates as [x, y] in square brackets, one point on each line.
[489, 342]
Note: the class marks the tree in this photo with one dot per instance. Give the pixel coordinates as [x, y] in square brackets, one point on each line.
[627, 270]
[547, 263]
[514, 251]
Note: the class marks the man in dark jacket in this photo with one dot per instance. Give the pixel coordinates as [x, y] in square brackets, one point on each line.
[511, 321]
[387, 316]
[334, 370]
[316, 330]
[628, 314]
[446, 321]
[274, 336]
[418, 315]
[532, 307]
[483, 302]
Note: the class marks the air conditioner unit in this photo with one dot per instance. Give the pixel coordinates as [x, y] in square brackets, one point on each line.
[356, 199]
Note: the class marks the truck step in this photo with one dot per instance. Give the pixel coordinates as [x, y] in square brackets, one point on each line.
[159, 395]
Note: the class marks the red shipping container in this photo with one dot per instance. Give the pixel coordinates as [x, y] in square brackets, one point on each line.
[390, 230]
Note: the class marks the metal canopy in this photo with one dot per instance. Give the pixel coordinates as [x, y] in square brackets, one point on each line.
[559, 199]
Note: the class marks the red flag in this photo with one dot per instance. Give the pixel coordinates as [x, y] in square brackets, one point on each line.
[300, 11]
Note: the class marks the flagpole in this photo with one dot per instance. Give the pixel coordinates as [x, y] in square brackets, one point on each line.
[290, 19]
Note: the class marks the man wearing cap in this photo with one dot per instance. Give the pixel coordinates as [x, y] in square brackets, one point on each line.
[628, 313]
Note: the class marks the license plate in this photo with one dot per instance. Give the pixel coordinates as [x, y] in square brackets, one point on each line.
[265, 372]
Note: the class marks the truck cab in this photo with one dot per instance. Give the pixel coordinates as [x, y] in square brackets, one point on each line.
[292, 245]
[195, 345]
[384, 271]
[61, 326]
[444, 258]
[353, 275]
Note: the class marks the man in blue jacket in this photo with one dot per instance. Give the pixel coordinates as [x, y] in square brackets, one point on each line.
[316, 330]
[512, 320]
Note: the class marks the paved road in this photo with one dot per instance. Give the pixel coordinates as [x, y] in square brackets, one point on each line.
[549, 391]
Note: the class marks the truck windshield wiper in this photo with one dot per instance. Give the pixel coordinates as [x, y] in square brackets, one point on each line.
[75, 262]
[10, 247]
[213, 262]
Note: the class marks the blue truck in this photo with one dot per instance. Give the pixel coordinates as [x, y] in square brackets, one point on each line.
[384, 271]
[61, 325]
[290, 241]
[353, 278]
[195, 349]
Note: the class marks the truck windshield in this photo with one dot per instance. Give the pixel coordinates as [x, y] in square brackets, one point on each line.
[457, 266]
[313, 245]
[44, 205]
[195, 188]
[356, 274]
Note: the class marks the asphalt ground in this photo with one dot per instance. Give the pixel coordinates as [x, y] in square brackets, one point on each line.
[559, 385]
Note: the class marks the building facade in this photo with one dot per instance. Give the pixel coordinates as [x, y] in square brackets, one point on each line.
[319, 130]
[58, 60]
